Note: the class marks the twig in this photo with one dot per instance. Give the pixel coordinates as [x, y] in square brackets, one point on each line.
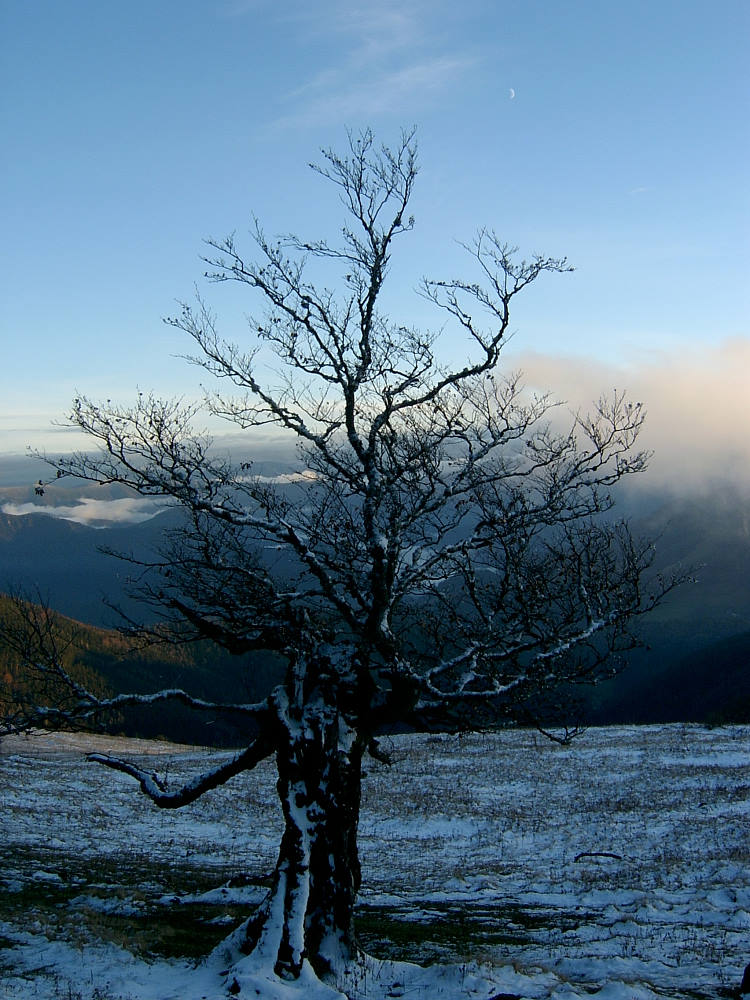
[597, 854]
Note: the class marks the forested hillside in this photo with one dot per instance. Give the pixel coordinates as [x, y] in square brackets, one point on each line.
[107, 663]
[695, 662]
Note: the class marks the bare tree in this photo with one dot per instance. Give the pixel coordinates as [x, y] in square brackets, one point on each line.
[441, 559]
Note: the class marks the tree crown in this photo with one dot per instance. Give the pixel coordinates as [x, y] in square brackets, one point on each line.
[444, 535]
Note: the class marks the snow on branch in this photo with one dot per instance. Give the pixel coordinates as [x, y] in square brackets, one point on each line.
[156, 790]
[88, 707]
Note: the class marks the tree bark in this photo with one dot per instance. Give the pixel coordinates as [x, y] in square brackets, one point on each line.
[309, 911]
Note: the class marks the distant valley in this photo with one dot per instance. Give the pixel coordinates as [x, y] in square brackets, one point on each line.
[695, 667]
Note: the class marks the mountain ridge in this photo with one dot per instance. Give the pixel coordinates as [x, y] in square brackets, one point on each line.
[693, 642]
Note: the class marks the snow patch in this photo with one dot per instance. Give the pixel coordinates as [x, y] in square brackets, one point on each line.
[483, 831]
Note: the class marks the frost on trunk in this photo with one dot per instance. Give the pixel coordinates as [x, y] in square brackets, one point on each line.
[309, 911]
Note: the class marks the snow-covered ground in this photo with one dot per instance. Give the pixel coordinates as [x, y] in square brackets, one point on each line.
[617, 868]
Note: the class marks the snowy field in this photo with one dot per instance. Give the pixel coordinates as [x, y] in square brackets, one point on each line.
[617, 868]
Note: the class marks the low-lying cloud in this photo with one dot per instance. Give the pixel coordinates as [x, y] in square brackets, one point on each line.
[697, 407]
[92, 512]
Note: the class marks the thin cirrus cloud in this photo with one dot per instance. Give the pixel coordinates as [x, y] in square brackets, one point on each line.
[386, 57]
[331, 98]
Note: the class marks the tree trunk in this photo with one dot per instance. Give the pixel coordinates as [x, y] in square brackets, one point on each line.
[309, 912]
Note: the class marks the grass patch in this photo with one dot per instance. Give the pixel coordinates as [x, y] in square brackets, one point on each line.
[457, 931]
[149, 909]
[126, 900]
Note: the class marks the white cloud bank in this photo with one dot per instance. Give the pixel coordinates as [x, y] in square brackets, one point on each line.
[90, 512]
[697, 423]
[697, 404]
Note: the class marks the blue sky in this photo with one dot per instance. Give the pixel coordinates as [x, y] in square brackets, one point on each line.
[132, 131]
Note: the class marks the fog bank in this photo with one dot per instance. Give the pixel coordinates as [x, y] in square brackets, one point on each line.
[697, 405]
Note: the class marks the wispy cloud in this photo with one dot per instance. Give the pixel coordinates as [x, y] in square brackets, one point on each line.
[389, 56]
[331, 100]
[378, 29]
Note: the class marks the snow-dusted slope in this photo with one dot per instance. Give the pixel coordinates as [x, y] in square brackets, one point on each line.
[618, 867]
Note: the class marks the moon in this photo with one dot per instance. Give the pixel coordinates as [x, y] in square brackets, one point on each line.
[512, 93]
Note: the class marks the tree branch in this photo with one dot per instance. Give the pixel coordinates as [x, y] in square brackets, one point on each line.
[155, 789]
